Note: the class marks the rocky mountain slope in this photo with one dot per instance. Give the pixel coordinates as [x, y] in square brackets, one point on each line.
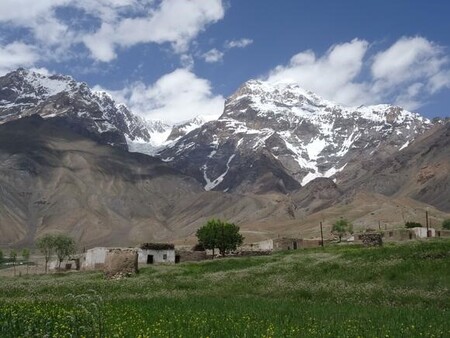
[54, 179]
[286, 136]
[279, 160]
[420, 171]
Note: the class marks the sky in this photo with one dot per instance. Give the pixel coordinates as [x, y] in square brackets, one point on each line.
[176, 59]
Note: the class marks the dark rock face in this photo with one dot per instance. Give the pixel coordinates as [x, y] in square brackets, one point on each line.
[95, 114]
[301, 135]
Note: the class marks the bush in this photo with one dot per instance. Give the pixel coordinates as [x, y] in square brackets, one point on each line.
[446, 224]
[410, 225]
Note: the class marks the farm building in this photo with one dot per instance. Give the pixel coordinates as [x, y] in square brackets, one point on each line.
[152, 253]
[148, 253]
[405, 234]
[94, 259]
[284, 243]
[442, 233]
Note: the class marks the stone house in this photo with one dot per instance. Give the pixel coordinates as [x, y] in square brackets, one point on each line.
[94, 259]
[148, 253]
[284, 243]
[155, 253]
[403, 234]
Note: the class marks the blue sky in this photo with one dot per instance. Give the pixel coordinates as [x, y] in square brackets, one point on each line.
[175, 59]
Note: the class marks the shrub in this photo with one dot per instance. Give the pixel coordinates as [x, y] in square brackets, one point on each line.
[446, 224]
[410, 225]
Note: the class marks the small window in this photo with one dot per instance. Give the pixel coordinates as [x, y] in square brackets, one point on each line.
[165, 256]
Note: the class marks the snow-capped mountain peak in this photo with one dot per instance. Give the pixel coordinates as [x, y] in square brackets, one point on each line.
[24, 93]
[306, 135]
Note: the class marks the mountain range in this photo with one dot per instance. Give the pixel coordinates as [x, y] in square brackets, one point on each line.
[276, 161]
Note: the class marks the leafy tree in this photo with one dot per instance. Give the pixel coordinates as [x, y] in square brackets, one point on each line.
[221, 235]
[410, 225]
[207, 235]
[64, 247]
[13, 258]
[341, 227]
[46, 245]
[26, 256]
[446, 224]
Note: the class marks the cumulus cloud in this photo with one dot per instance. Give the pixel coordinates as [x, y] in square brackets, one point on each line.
[418, 66]
[406, 73]
[111, 24]
[213, 56]
[241, 43]
[331, 75]
[174, 21]
[16, 54]
[174, 97]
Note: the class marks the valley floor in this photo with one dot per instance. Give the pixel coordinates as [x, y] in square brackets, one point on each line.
[399, 290]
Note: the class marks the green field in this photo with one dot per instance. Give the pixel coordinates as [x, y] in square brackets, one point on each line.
[342, 291]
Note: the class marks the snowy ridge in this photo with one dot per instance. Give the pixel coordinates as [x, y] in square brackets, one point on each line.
[26, 93]
[309, 137]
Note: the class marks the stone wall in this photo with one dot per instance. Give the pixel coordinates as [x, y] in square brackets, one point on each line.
[191, 256]
[371, 239]
[121, 263]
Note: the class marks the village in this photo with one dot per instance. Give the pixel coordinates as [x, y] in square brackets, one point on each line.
[121, 261]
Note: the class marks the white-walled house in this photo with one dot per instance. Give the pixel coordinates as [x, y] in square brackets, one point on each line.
[148, 253]
[94, 258]
[154, 253]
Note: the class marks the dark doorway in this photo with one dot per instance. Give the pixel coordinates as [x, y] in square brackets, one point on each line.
[150, 259]
[177, 259]
[294, 244]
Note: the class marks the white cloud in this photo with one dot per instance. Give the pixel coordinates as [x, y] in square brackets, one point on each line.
[123, 23]
[417, 66]
[16, 55]
[187, 61]
[241, 43]
[331, 75]
[25, 12]
[406, 73]
[213, 56]
[174, 21]
[175, 97]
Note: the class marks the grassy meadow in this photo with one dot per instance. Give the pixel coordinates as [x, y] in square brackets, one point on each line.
[398, 290]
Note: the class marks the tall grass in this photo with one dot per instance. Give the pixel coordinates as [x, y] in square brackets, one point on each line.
[344, 291]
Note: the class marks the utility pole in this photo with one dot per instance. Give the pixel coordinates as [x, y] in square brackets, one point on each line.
[426, 217]
[321, 234]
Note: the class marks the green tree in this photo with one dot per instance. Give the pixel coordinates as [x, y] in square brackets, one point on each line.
[341, 227]
[46, 245]
[13, 258]
[446, 224]
[64, 247]
[26, 256]
[221, 235]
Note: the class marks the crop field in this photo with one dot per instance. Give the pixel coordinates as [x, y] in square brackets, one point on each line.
[400, 290]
